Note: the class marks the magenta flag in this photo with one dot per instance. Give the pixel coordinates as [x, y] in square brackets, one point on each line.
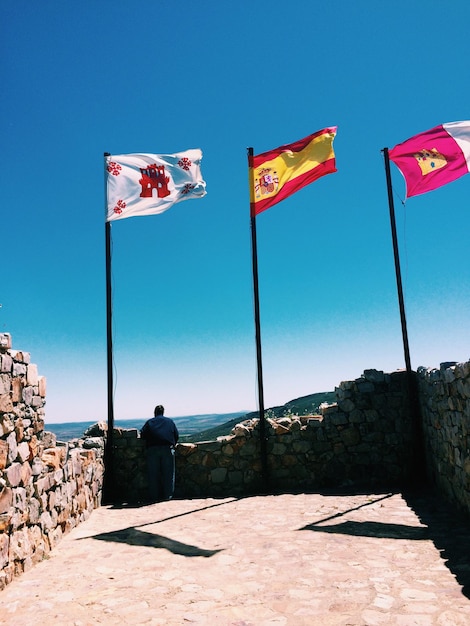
[433, 158]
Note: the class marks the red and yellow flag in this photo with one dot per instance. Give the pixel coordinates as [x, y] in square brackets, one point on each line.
[277, 174]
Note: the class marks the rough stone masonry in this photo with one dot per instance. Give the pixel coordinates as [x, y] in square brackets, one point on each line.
[365, 439]
[46, 488]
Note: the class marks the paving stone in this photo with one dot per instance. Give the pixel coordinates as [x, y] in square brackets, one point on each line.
[285, 560]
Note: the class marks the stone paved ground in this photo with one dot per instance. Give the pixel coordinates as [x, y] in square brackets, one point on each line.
[306, 559]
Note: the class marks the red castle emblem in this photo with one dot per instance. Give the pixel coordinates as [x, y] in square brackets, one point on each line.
[153, 177]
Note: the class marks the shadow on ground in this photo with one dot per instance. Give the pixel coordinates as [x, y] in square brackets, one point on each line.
[443, 524]
[449, 530]
[136, 537]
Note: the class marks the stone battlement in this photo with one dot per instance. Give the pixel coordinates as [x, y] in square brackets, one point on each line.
[369, 438]
[46, 487]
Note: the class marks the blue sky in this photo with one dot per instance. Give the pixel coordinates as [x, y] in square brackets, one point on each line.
[82, 79]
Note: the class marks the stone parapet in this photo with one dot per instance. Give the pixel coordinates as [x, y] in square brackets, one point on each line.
[445, 408]
[364, 439]
[46, 488]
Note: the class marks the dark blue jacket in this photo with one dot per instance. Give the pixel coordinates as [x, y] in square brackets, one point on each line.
[160, 431]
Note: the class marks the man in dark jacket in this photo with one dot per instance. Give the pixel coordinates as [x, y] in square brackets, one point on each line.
[161, 436]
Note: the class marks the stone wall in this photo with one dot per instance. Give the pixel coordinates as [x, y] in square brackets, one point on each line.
[46, 488]
[445, 408]
[364, 439]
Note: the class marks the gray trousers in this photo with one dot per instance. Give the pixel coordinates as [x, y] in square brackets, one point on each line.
[160, 472]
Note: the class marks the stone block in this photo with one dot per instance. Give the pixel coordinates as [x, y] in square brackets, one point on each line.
[5, 384]
[315, 422]
[38, 426]
[278, 449]
[240, 430]
[33, 511]
[21, 356]
[6, 499]
[19, 369]
[6, 363]
[218, 475]
[338, 419]
[37, 466]
[26, 473]
[46, 522]
[350, 436]
[23, 452]
[19, 499]
[52, 457]
[235, 477]
[374, 376]
[6, 404]
[4, 550]
[99, 429]
[5, 341]
[280, 429]
[5, 522]
[448, 370]
[28, 393]
[365, 387]
[12, 447]
[301, 447]
[49, 439]
[55, 536]
[3, 454]
[37, 402]
[17, 386]
[43, 484]
[93, 442]
[290, 460]
[32, 374]
[13, 474]
[326, 409]
[42, 384]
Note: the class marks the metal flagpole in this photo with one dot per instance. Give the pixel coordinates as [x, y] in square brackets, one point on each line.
[418, 471]
[401, 301]
[108, 487]
[262, 419]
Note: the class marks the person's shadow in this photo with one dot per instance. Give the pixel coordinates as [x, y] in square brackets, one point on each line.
[135, 537]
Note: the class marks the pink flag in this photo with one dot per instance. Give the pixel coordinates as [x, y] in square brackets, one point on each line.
[433, 158]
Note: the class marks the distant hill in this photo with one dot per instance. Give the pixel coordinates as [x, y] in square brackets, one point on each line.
[205, 427]
[305, 405]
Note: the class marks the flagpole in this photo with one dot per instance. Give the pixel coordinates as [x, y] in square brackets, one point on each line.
[254, 250]
[417, 468]
[401, 301]
[108, 487]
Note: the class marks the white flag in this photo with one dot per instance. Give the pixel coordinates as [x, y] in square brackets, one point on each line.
[147, 184]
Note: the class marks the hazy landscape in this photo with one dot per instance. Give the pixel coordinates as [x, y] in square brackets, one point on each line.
[203, 427]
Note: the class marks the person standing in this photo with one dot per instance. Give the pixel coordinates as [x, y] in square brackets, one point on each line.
[161, 436]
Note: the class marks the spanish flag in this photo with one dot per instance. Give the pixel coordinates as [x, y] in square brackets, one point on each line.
[277, 174]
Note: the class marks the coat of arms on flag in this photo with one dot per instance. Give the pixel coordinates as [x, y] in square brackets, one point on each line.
[147, 184]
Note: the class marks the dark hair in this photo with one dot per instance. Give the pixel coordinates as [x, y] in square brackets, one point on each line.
[159, 410]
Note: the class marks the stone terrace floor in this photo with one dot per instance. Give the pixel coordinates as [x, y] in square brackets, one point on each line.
[291, 559]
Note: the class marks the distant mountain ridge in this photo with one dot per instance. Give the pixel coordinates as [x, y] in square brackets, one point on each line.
[305, 405]
[204, 427]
